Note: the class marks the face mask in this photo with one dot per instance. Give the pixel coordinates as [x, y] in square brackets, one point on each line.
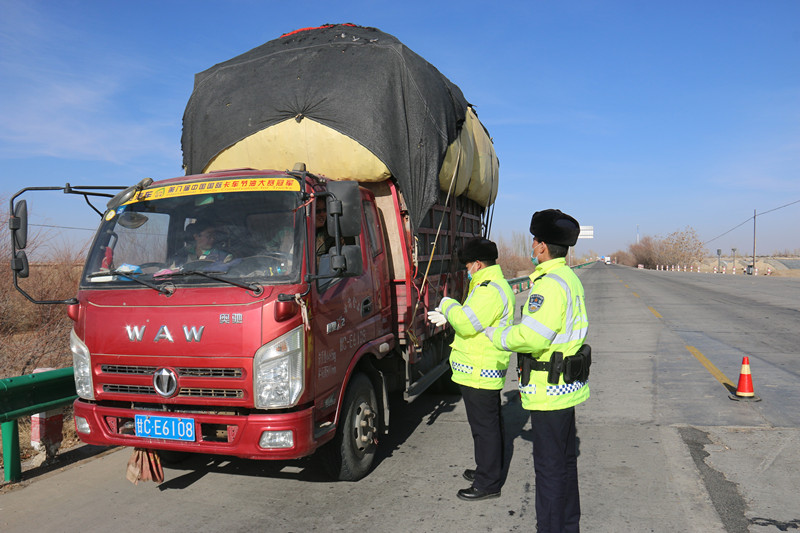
[534, 259]
[469, 275]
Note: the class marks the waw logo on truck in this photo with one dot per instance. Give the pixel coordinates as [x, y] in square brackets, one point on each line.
[191, 333]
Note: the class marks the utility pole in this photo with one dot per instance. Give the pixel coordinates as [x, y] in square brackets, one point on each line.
[753, 271]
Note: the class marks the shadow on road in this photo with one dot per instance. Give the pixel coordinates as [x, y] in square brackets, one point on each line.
[514, 419]
[405, 419]
[183, 470]
[63, 459]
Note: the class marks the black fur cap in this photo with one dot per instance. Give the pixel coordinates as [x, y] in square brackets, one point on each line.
[551, 226]
[477, 249]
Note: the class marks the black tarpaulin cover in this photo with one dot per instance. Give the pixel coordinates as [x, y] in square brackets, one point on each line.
[359, 81]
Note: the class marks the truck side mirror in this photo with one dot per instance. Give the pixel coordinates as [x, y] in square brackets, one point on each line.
[347, 203]
[352, 257]
[18, 224]
[346, 265]
[19, 264]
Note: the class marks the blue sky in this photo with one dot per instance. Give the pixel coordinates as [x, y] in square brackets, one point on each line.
[626, 114]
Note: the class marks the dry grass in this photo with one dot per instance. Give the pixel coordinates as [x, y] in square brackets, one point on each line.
[514, 255]
[683, 249]
[37, 336]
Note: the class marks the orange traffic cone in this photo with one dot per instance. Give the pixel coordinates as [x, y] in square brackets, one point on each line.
[744, 390]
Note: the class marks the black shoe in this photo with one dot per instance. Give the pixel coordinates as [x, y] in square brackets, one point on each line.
[473, 494]
[469, 474]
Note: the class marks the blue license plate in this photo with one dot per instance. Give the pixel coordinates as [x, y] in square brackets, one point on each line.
[165, 427]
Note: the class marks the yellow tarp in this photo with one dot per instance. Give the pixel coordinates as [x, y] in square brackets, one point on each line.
[334, 155]
[324, 151]
[478, 172]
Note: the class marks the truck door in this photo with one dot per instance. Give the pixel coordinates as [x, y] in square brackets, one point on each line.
[345, 314]
[377, 261]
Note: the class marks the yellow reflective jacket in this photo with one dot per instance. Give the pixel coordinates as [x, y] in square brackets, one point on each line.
[554, 319]
[490, 303]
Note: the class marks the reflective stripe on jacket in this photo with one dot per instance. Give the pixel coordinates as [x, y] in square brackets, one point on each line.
[490, 303]
[553, 320]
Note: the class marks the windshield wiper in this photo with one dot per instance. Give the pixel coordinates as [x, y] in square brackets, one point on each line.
[255, 287]
[163, 289]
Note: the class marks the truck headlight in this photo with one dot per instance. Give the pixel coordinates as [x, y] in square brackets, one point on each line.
[278, 371]
[82, 365]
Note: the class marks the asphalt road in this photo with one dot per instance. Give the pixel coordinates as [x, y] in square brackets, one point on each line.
[662, 447]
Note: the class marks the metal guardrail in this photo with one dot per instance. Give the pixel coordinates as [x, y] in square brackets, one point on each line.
[24, 396]
[519, 284]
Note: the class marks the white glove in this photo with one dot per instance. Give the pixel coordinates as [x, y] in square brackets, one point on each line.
[489, 332]
[437, 318]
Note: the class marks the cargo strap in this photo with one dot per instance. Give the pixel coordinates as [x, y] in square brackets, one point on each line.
[410, 332]
[303, 311]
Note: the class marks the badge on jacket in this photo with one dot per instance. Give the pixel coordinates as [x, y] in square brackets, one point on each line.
[535, 302]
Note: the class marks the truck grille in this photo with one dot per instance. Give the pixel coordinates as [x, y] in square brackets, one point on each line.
[128, 389]
[127, 369]
[182, 371]
[186, 392]
[194, 392]
[210, 372]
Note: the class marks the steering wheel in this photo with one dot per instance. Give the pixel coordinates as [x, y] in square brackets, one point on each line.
[266, 264]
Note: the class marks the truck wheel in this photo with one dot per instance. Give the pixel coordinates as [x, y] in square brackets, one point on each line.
[171, 457]
[353, 449]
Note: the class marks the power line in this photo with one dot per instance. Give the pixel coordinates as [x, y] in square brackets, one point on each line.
[730, 230]
[749, 219]
[781, 207]
[62, 227]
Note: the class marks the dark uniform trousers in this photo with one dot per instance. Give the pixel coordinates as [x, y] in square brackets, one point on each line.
[486, 422]
[555, 462]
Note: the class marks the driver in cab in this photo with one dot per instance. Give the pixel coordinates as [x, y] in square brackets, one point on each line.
[203, 247]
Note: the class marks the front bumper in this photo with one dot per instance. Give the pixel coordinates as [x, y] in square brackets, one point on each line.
[235, 435]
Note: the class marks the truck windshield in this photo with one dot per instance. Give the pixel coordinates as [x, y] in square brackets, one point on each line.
[245, 235]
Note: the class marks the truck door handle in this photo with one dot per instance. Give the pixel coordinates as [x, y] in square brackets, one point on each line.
[366, 307]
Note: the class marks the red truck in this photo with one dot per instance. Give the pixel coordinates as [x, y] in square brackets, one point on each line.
[288, 331]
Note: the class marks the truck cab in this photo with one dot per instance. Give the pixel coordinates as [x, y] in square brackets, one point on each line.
[215, 314]
[258, 314]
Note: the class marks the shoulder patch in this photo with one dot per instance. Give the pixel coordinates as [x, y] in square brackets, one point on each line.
[535, 302]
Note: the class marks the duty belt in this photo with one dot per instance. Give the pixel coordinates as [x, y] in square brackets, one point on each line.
[574, 368]
[554, 367]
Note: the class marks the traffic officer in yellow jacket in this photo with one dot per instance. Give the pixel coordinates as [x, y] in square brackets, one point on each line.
[554, 361]
[478, 367]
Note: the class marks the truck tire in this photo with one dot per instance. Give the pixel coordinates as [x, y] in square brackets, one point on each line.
[171, 457]
[352, 451]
